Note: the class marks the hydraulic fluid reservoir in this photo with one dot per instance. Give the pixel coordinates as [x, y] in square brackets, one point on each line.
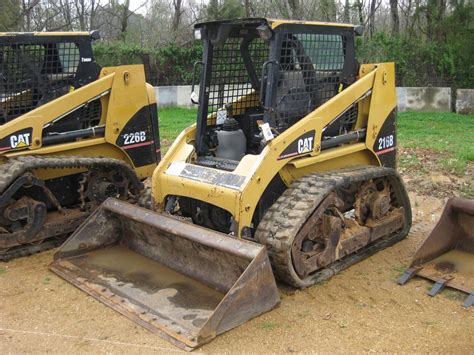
[232, 141]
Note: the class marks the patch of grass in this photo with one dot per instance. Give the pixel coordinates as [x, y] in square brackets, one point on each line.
[268, 325]
[454, 295]
[455, 165]
[447, 132]
[173, 120]
[2, 270]
[467, 191]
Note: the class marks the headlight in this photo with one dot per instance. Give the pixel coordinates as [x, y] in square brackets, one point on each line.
[198, 33]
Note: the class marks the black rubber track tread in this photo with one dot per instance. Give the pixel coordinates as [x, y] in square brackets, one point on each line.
[15, 167]
[26, 250]
[287, 215]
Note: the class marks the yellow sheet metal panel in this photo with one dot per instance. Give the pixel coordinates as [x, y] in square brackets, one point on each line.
[44, 34]
[278, 22]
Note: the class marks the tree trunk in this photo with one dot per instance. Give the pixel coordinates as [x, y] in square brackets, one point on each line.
[372, 18]
[328, 10]
[292, 6]
[395, 17]
[247, 8]
[124, 19]
[177, 14]
[358, 5]
[346, 15]
[92, 14]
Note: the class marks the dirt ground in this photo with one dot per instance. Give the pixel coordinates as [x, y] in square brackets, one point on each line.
[361, 309]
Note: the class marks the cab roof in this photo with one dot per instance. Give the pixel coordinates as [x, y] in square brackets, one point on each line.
[273, 23]
[93, 34]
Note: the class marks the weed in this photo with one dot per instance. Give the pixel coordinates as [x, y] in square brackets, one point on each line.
[2, 270]
[268, 325]
[454, 295]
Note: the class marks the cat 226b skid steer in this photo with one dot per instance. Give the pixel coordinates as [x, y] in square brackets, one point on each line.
[290, 167]
[71, 135]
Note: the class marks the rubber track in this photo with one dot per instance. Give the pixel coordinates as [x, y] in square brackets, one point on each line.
[18, 166]
[287, 215]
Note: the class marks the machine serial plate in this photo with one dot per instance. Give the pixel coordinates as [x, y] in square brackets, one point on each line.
[206, 175]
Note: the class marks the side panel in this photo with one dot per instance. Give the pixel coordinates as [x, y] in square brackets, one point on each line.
[385, 145]
[137, 137]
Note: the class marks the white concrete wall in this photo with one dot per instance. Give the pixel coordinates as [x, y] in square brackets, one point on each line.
[419, 99]
[465, 101]
[424, 99]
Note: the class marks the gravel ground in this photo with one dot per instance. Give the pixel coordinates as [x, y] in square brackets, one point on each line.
[361, 309]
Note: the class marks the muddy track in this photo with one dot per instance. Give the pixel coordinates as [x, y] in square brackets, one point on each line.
[283, 220]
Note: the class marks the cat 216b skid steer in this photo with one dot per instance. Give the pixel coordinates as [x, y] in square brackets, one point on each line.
[71, 135]
[290, 167]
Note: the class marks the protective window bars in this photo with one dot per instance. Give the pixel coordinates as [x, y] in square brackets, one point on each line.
[236, 71]
[310, 73]
[34, 74]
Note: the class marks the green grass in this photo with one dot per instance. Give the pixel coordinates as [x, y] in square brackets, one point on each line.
[454, 295]
[443, 132]
[2, 270]
[173, 120]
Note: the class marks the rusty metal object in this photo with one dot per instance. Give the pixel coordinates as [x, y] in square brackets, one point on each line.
[447, 255]
[27, 221]
[329, 235]
[184, 282]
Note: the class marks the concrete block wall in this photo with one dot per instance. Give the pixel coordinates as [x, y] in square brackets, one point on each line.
[175, 95]
[424, 99]
[419, 99]
[465, 101]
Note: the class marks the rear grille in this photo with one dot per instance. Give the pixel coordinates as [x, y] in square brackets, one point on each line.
[32, 74]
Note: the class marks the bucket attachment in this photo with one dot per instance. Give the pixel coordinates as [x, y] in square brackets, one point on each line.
[447, 255]
[184, 282]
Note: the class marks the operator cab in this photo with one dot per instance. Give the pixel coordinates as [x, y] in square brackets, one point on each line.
[259, 71]
[36, 68]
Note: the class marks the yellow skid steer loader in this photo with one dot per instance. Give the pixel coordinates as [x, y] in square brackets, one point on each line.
[72, 134]
[292, 155]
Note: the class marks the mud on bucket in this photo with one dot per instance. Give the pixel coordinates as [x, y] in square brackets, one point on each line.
[184, 282]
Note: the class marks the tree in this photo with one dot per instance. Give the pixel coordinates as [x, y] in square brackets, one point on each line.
[347, 9]
[10, 15]
[394, 17]
[328, 10]
[177, 5]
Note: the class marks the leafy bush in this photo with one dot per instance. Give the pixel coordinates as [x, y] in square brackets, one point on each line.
[171, 65]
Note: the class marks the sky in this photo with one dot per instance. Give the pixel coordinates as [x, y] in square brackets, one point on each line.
[137, 4]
